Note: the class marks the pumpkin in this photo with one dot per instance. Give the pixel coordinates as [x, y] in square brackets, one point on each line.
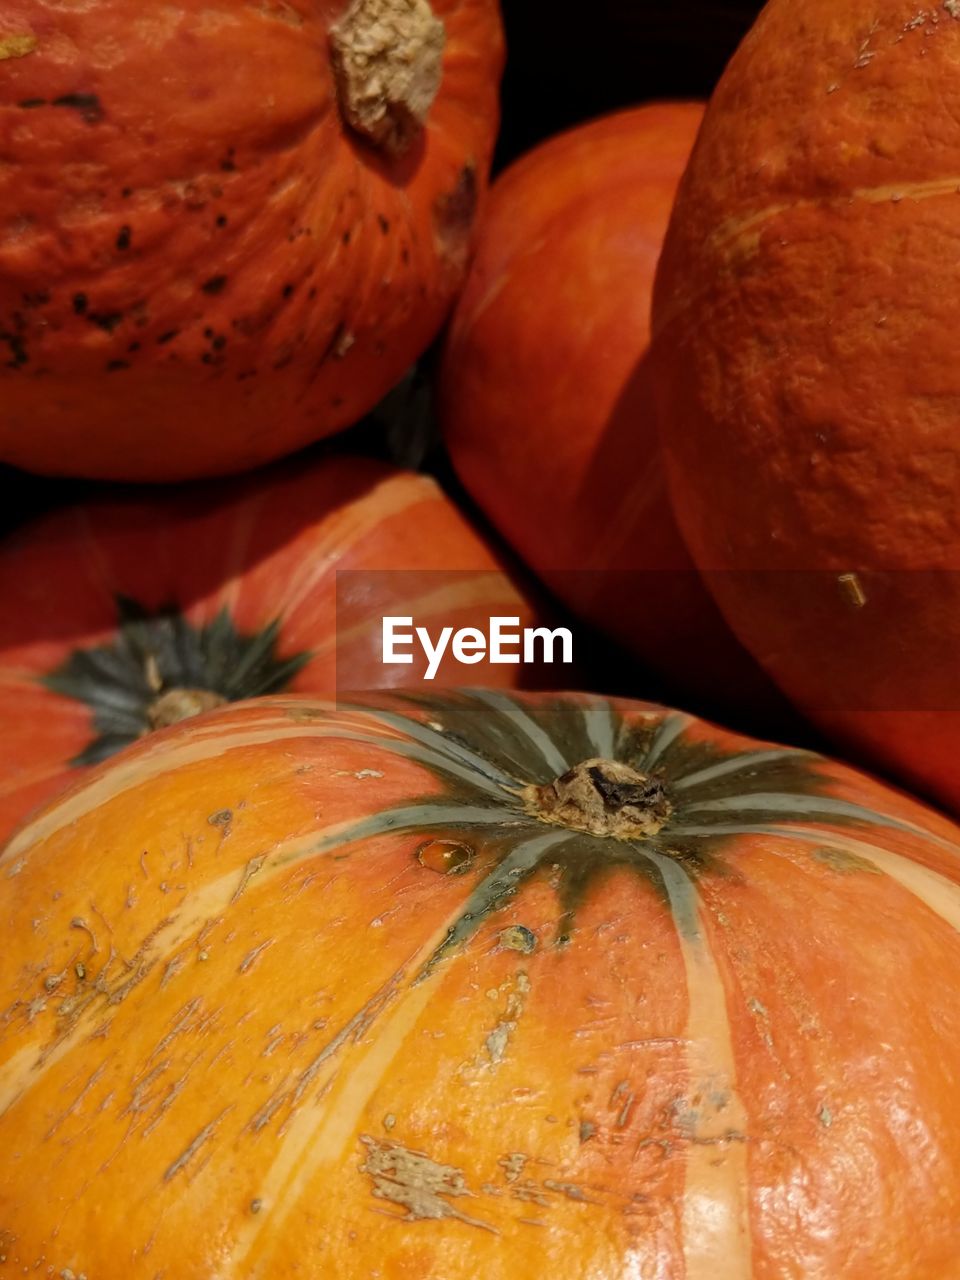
[129, 613]
[478, 985]
[549, 422]
[807, 382]
[226, 231]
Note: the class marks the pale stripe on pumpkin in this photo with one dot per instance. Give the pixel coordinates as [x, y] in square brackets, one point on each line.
[205, 742]
[319, 1135]
[717, 1242]
[941, 895]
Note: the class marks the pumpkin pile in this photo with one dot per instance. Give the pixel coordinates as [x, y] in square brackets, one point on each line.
[320, 962]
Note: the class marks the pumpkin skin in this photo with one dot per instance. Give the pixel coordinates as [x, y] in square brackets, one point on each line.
[131, 612]
[322, 948]
[547, 417]
[203, 264]
[807, 383]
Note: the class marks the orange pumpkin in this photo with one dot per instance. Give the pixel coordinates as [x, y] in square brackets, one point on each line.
[809, 389]
[549, 423]
[479, 985]
[130, 613]
[226, 231]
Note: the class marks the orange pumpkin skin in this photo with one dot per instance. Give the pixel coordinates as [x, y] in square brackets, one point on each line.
[203, 265]
[549, 421]
[98, 592]
[331, 999]
[807, 384]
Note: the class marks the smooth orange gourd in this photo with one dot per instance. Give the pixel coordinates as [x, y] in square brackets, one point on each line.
[478, 985]
[226, 230]
[545, 401]
[129, 613]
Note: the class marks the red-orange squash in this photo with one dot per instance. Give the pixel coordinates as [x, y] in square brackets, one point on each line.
[478, 986]
[226, 230]
[548, 420]
[808, 380]
[127, 614]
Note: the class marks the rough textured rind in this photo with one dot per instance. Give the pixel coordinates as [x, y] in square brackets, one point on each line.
[807, 374]
[202, 265]
[258, 1022]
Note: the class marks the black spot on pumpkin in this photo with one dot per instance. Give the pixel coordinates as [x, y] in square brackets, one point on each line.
[115, 366]
[384, 223]
[167, 337]
[39, 298]
[106, 320]
[80, 303]
[18, 350]
[228, 164]
[222, 220]
[123, 238]
[215, 285]
[31, 104]
[288, 290]
[88, 104]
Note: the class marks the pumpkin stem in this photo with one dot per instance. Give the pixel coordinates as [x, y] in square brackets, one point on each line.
[604, 798]
[388, 61]
[181, 704]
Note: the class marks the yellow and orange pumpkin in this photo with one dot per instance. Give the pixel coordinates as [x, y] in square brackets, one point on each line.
[226, 230]
[478, 985]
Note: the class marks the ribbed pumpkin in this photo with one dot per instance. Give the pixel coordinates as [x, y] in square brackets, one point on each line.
[809, 387]
[226, 230]
[479, 985]
[547, 417]
[130, 613]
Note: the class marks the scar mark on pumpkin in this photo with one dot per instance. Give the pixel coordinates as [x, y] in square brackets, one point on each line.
[411, 1180]
[203, 1137]
[743, 232]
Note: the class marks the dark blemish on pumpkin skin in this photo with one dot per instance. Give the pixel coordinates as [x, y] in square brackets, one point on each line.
[134, 346]
[222, 220]
[384, 223]
[31, 104]
[88, 104]
[126, 193]
[219, 342]
[288, 290]
[216, 284]
[123, 238]
[106, 320]
[167, 337]
[38, 299]
[229, 164]
[115, 366]
[80, 303]
[18, 352]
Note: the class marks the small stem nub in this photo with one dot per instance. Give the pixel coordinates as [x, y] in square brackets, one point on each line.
[181, 704]
[603, 798]
[388, 61]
